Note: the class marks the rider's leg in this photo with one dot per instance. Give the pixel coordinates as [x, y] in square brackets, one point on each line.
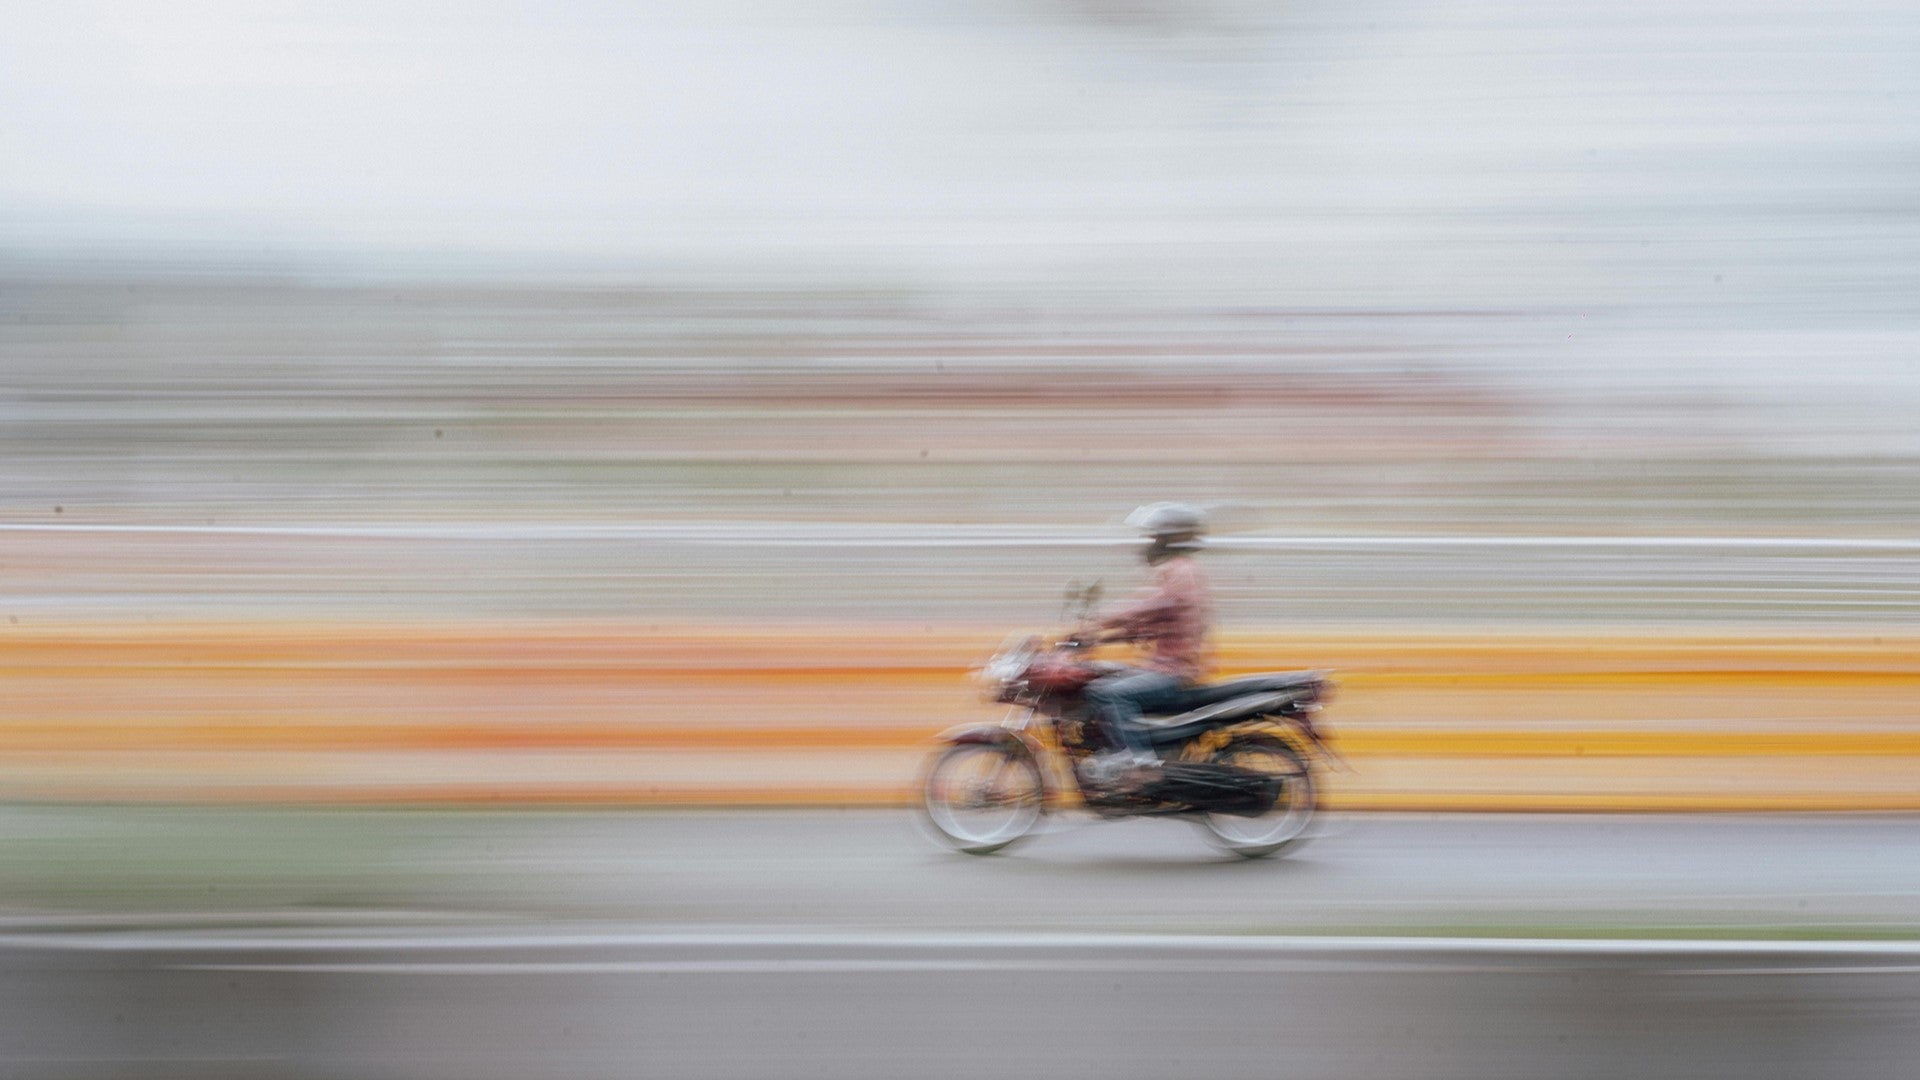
[1118, 700]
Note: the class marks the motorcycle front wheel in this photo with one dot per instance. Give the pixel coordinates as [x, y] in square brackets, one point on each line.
[980, 797]
[1285, 825]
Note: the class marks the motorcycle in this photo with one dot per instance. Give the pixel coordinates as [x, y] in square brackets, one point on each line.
[1240, 761]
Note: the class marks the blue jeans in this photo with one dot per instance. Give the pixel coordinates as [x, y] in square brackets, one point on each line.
[1119, 699]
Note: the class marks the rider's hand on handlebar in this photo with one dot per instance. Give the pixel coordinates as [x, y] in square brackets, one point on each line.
[1084, 636]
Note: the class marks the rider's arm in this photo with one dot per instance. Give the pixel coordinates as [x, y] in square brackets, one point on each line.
[1133, 619]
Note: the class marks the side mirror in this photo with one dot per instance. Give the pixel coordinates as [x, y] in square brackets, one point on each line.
[1080, 600]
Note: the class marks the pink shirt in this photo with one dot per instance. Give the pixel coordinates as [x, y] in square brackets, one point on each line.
[1172, 617]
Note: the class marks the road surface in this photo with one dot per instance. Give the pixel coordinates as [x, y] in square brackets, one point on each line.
[841, 944]
[477, 1006]
[875, 870]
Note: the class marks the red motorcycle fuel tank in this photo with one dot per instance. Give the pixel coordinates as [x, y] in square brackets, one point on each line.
[1057, 672]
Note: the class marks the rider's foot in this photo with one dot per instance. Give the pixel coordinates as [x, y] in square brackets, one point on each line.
[1123, 770]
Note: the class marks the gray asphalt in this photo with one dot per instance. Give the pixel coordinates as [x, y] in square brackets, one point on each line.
[477, 1007]
[879, 871]
[875, 870]
[844, 944]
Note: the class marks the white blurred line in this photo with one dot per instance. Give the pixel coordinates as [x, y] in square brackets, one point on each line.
[1856, 969]
[623, 967]
[881, 967]
[1210, 966]
[783, 534]
[1304, 945]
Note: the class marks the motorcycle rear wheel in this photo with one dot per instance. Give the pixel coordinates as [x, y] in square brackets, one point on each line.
[981, 797]
[1280, 829]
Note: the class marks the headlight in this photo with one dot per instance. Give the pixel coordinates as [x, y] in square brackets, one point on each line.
[1005, 667]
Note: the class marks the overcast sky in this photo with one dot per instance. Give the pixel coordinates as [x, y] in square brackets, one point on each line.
[1764, 154]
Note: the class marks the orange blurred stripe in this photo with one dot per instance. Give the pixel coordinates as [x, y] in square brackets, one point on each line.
[1361, 743]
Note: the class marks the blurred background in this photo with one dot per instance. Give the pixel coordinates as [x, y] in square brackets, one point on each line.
[482, 277]
[867, 322]
[506, 404]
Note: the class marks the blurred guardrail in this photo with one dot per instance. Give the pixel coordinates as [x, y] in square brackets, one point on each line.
[888, 535]
[783, 571]
[719, 713]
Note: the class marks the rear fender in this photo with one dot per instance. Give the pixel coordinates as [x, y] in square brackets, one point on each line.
[1296, 733]
[1317, 738]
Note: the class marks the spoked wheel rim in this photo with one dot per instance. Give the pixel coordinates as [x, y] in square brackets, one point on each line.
[982, 797]
[1284, 825]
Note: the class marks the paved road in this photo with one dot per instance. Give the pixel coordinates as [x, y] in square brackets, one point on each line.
[475, 1006]
[841, 944]
[874, 870]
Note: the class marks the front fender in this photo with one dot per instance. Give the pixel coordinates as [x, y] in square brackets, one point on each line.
[1011, 739]
[990, 734]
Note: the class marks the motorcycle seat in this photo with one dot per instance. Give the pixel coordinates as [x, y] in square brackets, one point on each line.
[1184, 726]
[1269, 682]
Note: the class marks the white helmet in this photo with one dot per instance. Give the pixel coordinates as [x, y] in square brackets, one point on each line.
[1169, 521]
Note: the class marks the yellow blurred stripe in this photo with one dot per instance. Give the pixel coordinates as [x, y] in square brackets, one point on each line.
[1551, 720]
[1540, 802]
[1361, 743]
[919, 652]
[1626, 744]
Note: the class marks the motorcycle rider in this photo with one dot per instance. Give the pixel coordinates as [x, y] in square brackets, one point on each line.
[1172, 618]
